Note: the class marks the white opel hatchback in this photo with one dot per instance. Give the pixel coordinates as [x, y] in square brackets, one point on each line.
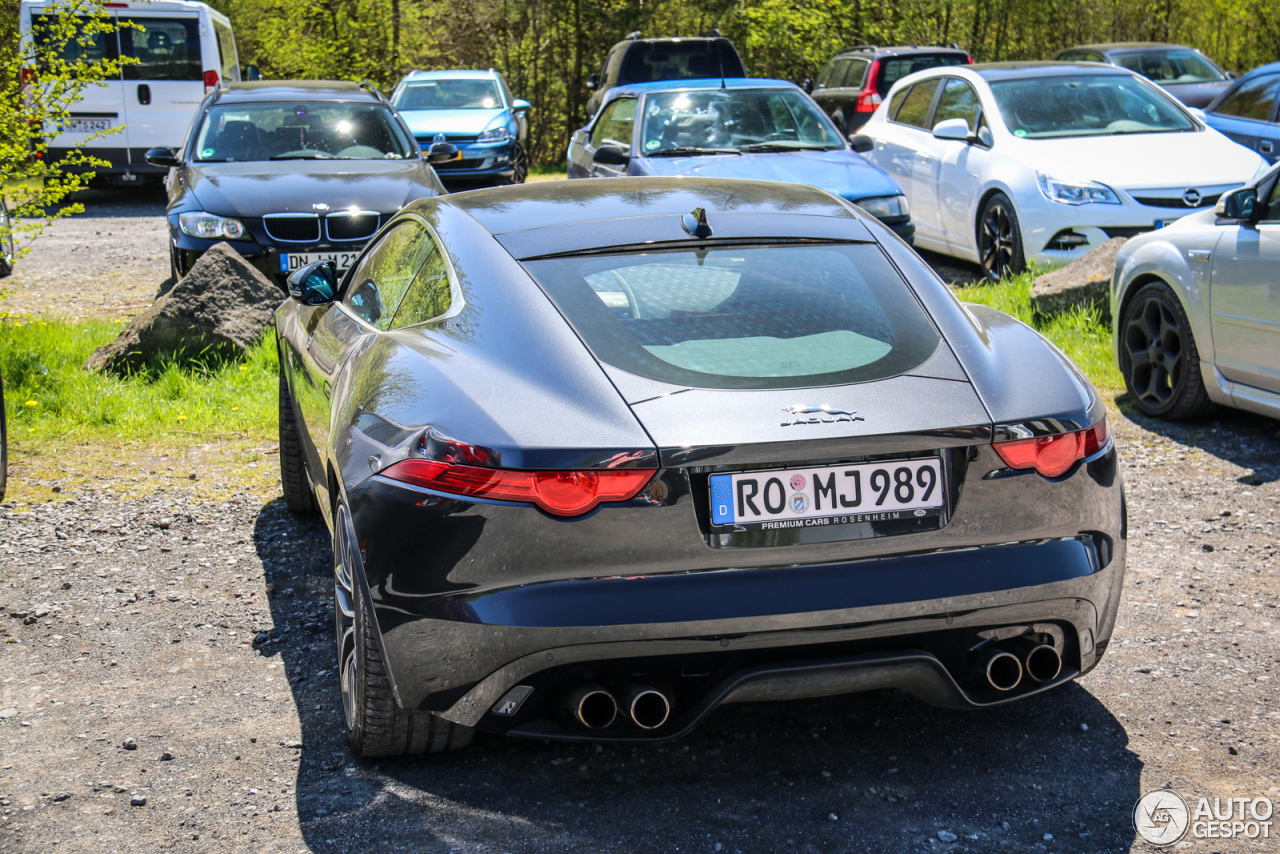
[1008, 163]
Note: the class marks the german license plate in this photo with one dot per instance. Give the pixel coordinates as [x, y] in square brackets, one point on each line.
[86, 125]
[290, 261]
[882, 491]
[1161, 223]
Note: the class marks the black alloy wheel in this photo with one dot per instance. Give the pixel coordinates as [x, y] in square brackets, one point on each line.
[1000, 238]
[175, 270]
[375, 723]
[298, 495]
[8, 255]
[1159, 358]
[520, 165]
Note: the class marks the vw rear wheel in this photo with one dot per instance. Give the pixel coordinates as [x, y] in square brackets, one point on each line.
[376, 725]
[1159, 358]
[1000, 238]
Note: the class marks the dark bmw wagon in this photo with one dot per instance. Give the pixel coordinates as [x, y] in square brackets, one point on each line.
[599, 456]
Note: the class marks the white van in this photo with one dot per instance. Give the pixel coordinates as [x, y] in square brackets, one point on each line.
[184, 51]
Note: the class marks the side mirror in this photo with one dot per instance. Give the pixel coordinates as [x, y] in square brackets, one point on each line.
[861, 142]
[611, 155]
[314, 284]
[163, 157]
[957, 129]
[593, 81]
[1238, 204]
[442, 152]
[520, 105]
[807, 85]
[251, 73]
[1231, 75]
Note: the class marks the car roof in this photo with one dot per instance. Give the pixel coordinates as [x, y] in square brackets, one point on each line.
[303, 90]
[1269, 68]
[991, 71]
[451, 74]
[704, 83]
[1121, 46]
[551, 216]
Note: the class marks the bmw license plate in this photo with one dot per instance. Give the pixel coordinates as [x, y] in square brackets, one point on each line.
[290, 261]
[882, 491]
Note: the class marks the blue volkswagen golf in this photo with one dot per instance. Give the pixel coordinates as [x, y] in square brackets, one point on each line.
[769, 130]
[475, 111]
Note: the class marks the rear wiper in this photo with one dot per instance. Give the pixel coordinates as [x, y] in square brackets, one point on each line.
[677, 152]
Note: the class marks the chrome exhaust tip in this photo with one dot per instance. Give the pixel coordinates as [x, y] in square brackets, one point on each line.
[1041, 661]
[648, 708]
[998, 669]
[591, 706]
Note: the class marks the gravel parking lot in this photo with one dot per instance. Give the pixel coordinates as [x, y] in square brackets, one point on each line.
[168, 683]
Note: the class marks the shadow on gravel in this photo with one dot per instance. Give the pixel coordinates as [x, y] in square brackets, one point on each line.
[872, 772]
[147, 199]
[1247, 440]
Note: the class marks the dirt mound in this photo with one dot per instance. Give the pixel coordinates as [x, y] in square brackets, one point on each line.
[1085, 281]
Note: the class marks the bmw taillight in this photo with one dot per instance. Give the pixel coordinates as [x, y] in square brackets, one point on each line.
[561, 493]
[210, 81]
[1054, 455]
[869, 98]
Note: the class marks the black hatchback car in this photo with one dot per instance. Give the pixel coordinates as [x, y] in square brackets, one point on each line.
[291, 173]
[856, 80]
[640, 60]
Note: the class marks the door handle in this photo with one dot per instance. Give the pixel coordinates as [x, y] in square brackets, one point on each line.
[144, 93]
[1266, 146]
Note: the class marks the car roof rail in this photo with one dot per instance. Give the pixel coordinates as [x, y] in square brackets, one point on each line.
[634, 34]
[861, 47]
[713, 33]
[377, 93]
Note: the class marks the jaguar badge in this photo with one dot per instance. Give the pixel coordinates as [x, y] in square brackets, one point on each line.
[819, 415]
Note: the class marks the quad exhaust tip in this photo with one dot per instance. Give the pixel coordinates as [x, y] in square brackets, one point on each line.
[591, 706]
[1041, 661]
[648, 708]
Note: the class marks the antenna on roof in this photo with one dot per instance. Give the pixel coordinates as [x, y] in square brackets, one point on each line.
[720, 59]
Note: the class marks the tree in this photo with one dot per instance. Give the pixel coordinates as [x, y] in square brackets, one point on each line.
[42, 75]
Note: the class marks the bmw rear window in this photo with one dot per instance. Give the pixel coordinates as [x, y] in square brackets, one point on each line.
[744, 316]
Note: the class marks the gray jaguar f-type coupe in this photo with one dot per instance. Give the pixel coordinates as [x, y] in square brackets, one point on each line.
[599, 456]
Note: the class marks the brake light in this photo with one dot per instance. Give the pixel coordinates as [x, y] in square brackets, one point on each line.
[869, 98]
[969, 59]
[561, 493]
[210, 81]
[1054, 455]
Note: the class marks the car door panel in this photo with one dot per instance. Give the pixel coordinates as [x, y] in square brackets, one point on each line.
[1245, 301]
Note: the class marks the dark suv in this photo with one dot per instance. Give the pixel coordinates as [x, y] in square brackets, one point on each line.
[854, 83]
[639, 60]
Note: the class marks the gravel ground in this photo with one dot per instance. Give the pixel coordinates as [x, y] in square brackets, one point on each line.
[168, 683]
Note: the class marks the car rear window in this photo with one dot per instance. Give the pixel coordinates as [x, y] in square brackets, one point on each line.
[744, 316]
[893, 69]
[689, 60]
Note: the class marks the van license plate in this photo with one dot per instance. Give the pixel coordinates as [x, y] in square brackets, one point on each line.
[881, 491]
[290, 261]
[86, 125]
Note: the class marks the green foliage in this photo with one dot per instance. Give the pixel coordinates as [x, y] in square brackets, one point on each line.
[1080, 333]
[52, 398]
[31, 183]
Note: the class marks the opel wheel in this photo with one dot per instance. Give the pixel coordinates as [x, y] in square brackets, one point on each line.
[1000, 238]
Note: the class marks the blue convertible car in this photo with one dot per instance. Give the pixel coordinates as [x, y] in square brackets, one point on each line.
[769, 130]
[473, 110]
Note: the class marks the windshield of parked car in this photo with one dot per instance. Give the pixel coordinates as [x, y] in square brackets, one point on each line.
[448, 95]
[744, 316]
[300, 131]
[716, 120]
[1093, 105]
[1170, 66]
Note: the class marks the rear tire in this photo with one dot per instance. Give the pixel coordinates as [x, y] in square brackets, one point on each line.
[1000, 238]
[293, 468]
[1159, 358]
[376, 725]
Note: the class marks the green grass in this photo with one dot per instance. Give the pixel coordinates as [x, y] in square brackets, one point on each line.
[53, 401]
[1081, 333]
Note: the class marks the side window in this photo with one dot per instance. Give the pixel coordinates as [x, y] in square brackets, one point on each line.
[855, 74]
[1253, 100]
[379, 281]
[166, 48]
[80, 48]
[1093, 57]
[430, 295]
[617, 120]
[824, 76]
[227, 53]
[834, 74]
[1272, 213]
[958, 101]
[914, 107]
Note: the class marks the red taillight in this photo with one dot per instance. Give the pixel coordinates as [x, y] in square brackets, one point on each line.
[969, 59]
[561, 493]
[1054, 455]
[210, 80]
[869, 98]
